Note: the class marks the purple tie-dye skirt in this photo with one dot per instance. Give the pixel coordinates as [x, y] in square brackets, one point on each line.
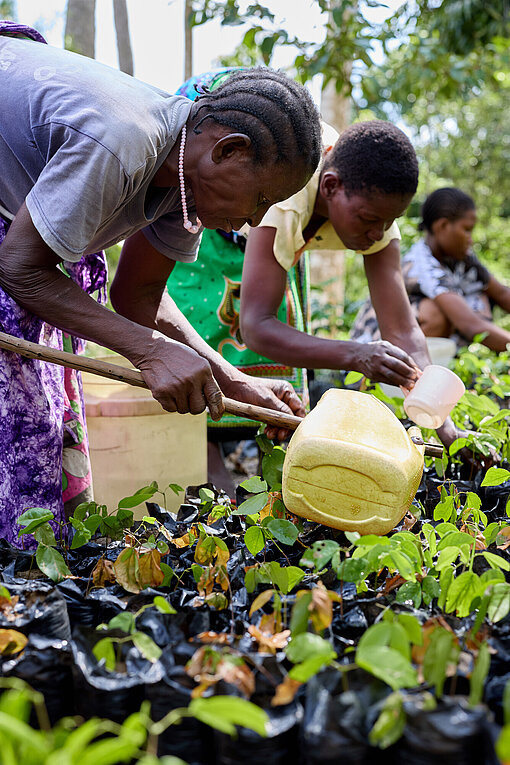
[44, 457]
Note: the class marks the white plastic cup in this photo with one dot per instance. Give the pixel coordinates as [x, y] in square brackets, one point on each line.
[433, 397]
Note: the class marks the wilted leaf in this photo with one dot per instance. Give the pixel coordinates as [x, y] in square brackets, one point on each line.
[269, 643]
[149, 571]
[103, 572]
[320, 608]
[285, 692]
[126, 570]
[11, 641]
[220, 638]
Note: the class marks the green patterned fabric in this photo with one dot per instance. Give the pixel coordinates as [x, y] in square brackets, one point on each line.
[208, 293]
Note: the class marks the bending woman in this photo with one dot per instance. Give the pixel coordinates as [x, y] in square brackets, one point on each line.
[89, 157]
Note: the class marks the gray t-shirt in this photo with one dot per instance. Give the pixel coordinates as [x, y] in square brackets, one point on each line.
[80, 142]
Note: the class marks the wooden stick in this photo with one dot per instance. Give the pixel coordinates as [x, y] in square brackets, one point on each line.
[134, 377]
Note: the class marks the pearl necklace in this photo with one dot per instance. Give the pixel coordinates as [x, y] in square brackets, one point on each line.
[188, 225]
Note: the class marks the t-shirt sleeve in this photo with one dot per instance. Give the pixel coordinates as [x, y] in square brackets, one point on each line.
[168, 236]
[392, 233]
[77, 191]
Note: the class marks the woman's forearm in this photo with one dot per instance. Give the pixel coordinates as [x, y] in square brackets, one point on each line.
[287, 345]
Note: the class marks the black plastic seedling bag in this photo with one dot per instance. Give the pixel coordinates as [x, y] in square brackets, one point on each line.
[453, 733]
[190, 740]
[88, 609]
[45, 664]
[280, 747]
[40, 610]
[335, 728]
[101, 693]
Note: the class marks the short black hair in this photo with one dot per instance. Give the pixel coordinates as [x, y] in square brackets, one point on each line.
[374, 155]
[449, 202]
[252, 99]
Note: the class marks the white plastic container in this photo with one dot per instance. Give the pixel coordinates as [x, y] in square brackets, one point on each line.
[433, 396]
[442, 351]
[133, 441]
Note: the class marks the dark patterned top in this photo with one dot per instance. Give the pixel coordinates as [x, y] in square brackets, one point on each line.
[427, 277]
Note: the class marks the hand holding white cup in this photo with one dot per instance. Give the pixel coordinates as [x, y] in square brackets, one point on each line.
[433, 396]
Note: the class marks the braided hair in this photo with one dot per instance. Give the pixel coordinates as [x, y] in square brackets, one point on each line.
[449, 203]
[263, 103]
[374, 155]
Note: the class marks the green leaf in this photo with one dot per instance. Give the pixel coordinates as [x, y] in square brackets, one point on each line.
[125, 621]
[140, 496]
[272, 466]
[390, 724]
[412, 627]
[225, 712]
[456, 539]
[309, 646]
[92, 523]
[254, 539]
[350, 377]
[499, 604]
[51, 563]
[300, 614]
[104, 649]
[495, 476]
[409, 592]
[175, 488]
[352, 569]
[45, 535]
[446, 558]
[430, 589]
[445, 580]
[462, 592]
[479, 675]
[163, 605]
[206, 495]
[437, 657]
[168, 572]
[146, 645]
[319, 554]
[252, 505]
[35, 514]
[285, 578]
[388, 665]
[284, 531]
[306, 669]
[254, 485]
[496, 561]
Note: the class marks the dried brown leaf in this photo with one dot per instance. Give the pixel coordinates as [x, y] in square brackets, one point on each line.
[285, 692]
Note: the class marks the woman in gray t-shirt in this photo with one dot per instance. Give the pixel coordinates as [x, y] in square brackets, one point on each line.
[90, 156]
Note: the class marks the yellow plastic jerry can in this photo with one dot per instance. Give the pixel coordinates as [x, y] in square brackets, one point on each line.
[351, 465]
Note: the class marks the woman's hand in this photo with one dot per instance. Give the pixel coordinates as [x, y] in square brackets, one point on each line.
[272, 394]
[448, 433]
[381, 361]
[179, 378]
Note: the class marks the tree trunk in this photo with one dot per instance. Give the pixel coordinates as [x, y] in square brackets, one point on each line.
[188, 40]
[329, 265]
[80, 31]
[124, 50]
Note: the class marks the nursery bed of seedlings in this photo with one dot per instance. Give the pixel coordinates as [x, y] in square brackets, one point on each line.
[352, 649]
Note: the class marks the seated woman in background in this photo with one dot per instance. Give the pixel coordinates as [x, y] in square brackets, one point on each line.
[450, 290]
